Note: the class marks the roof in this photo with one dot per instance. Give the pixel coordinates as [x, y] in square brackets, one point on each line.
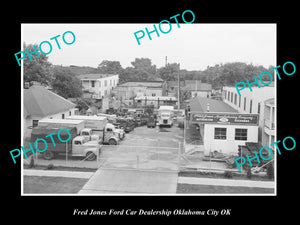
[94, 76]
[141, 84]
[199, 104]
[198, 86]
[38, 101]
[270, 101]
[174, 83]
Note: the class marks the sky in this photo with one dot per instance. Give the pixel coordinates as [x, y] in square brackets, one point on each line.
[195, 46]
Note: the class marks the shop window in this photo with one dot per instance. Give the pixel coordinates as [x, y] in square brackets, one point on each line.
[250, 106]
[241, 134]
[63, 116]
[220, 133]
[245, 104]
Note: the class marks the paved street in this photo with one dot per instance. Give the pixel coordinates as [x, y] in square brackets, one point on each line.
[146, 162]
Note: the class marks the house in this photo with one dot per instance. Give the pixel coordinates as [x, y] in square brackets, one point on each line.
[221, 127]
[98, 85]
[129, 90]
[40, 103]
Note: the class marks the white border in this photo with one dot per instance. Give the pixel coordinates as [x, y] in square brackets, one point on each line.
[117, 194]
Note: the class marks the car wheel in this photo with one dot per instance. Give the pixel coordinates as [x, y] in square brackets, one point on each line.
[90, 156]
[48, 155]
[112, 142]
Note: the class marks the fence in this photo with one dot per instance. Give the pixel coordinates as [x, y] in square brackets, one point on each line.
[153, 158]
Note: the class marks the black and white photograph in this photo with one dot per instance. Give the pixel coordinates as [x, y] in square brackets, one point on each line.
[167, 114]
[106, 112]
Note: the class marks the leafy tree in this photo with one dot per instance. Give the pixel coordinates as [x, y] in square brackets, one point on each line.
[39, 69]
[110, 67]
[66, 84]
[169, 72]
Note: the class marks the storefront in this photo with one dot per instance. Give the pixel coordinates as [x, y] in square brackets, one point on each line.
[224, 132]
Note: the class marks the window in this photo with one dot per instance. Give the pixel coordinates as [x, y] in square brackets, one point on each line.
[239, 101]
[231, 97]
[99, 83]
[258, 108]
[250, 106]
[63, 116]
[70, 113]
[110, 82]
[220, 133]
[245, 104]
[35, 123]
[235, 97]
[153, 94]
[241, 134]
[77, 142]
[93, 83]
[105, 83]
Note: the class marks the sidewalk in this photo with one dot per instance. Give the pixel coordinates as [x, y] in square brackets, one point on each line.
[226, 182]
[57, 173]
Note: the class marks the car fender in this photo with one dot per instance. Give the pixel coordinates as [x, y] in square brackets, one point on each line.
[92, 149]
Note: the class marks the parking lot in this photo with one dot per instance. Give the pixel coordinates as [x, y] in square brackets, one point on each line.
[143, 148]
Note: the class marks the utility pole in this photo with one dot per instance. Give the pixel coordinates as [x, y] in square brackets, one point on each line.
[179, 86]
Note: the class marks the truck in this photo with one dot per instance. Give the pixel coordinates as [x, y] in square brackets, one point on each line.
[165, 115]
[78, 124]
[112, 119]
[76, 146]
[100, 126]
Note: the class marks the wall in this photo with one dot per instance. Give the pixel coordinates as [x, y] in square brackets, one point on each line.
[228, 145]
[27, 123]
[258, 96]
[102, 86]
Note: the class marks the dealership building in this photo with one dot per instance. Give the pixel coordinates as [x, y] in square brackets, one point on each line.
[221, 127]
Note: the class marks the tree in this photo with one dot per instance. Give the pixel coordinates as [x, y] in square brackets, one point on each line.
[169, 72]
[143, 69]
[39, 69]
[66, 84]
[110, 67]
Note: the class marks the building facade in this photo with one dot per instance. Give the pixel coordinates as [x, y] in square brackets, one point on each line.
[221, 127]
[268, 135]
[131, 90]
[251, 102]
[98, 85]
[40, 103]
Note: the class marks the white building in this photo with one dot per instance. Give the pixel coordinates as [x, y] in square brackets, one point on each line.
[40, 103]
[252, 102]
[98, 85]
[268, 135]
[221, 128]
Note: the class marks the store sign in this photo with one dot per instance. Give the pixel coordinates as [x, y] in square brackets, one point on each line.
[225, 118]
